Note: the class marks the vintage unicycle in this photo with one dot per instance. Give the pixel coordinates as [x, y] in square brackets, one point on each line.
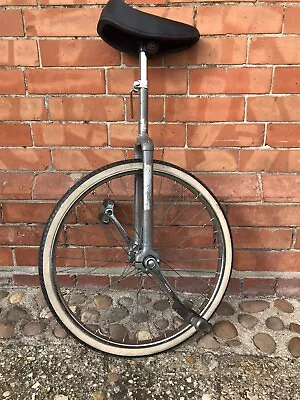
[137, 255]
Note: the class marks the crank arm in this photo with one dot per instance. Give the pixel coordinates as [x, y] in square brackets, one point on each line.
[109, 215]
[187, 313]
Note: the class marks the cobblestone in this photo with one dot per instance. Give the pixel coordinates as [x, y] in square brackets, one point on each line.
[267, 326]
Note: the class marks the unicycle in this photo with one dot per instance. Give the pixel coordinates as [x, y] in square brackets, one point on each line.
[137, 255]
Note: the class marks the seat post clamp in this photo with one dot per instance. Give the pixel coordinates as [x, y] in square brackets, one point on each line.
[140, 84]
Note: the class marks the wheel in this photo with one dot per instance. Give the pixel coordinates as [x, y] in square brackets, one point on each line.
[88, 275]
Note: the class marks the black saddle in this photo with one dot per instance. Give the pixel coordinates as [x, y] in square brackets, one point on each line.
[126, 28]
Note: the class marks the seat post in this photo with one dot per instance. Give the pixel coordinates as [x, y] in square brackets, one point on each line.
[143, 94]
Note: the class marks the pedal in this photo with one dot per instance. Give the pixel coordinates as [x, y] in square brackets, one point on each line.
[192, 317]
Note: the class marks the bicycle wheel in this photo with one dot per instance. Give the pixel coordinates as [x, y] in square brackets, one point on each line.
[90, 282]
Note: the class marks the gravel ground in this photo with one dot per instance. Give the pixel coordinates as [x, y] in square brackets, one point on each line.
[72, 372]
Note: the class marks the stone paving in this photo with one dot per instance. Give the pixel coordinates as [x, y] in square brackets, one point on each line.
[269, 326]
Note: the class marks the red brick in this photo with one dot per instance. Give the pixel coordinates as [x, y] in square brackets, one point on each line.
[133, 61]
[288, 287]
[281, 188]
[234, 287]
[193, 284]
[291, 20]
[87, 108]
[204, 160]
[162, 134]
[182, 14]
[16, 186]
[22, 108]
[20, 235]
[52, 185]
[282, 261]
[263, 215]
[15, 135]
[161, 81]
[270, 160]
[25, 159]
[204, 109]
[219, 50]
[69, 134]
[156, 109]
[84, 281]
[274, 50]
[65, 81]
[272, 108]
[259, 286]
[11, 81]
[225, 135]
[62, 21]
[230, 80]
[63, 2]
[262, 238]
[286, 80]
[18, 52]
[26, 212]
[26, 280]
[80, 52]
[17, 2]
[6, 258]
[233, 187]
[11, 23]
[85, 159]
[283, 135]
[239, 19]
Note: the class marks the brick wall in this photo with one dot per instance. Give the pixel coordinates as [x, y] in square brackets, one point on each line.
[227, 109]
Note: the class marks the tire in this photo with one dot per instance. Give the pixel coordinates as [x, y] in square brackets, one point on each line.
[90, 282]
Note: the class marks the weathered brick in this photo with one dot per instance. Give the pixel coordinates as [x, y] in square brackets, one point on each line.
[286, 80]
[18, 52]
[282, 188]
[6, 258]
[259, 286]
[161, 81]
[16, 185]
[282, 261]
[11, 82]
[230, 80]
[69, 134]
[239, 19]
[273, 108]
[204, 109]
[161, 134]
[65, 81]
[223, 135]
[291, 20]
[15, 135]
[155, 105]
[61, 21]
[218, 50]
[24, 159]
[263, 215]
[87, 108]
[233, 187]
[288, 287]
[20, 235]
[80, 52]
[26, 212]
[183, 14]
[262, 238]
[274, 50]
[22, 108]
[270, 160]
[11, 23]
[204, 160]
[26, 280]
[51, 186]
[85, 159]
[283, 135]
